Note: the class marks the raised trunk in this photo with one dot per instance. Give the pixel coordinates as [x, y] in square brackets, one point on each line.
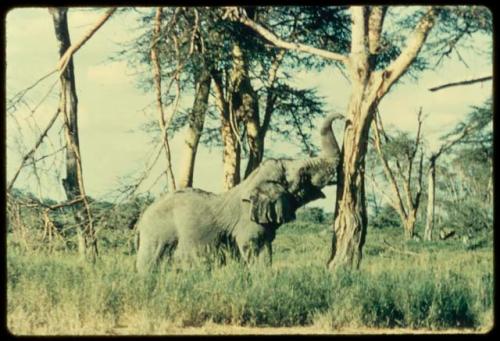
[429, 226]
[196, 120]
[73, 183]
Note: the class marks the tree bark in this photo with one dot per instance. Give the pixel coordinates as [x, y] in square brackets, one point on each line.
[73, 183]
[350, 212]
[431, 201]
[196, 118]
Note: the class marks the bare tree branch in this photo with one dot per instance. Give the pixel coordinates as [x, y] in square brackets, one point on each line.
[32, 151]
[465, 82]
[388, 172]
[66, 57]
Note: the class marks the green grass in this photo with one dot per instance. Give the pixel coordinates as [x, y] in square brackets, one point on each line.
[442, 286]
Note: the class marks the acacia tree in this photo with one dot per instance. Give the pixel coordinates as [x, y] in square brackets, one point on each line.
[474, 131]
[371, 76]
[368, 87]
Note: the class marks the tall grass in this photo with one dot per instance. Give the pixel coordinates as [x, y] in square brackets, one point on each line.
[55, 294]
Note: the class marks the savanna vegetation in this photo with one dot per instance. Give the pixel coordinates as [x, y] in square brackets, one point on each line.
[407, 244]
[409, 285]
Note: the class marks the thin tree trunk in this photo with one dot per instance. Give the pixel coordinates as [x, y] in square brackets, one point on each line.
[231, 147]
[196, 120]
[431, 201]
[156, 68]
[73, 183]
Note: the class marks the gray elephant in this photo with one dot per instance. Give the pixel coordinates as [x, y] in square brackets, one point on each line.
[191, 222]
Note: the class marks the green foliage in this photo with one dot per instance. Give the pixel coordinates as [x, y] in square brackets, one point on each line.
[387, 217]
[311, 214]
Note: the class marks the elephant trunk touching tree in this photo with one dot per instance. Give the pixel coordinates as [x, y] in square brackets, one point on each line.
[190, 222]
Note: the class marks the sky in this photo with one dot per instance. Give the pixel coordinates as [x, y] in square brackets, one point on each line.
[112, 107]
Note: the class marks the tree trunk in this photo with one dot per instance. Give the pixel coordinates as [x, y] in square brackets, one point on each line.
[429, 226]
[244, 106]
[231, 155]
[350, 212]
[196, 120]
[231, 147]
[409, 224]
[73, 183]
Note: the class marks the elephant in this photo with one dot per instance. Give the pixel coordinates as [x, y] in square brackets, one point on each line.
[191, 222]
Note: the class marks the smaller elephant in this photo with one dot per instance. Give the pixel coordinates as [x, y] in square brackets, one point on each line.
[190, 223]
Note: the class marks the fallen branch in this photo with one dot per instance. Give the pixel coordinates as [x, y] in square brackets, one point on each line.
[399, 250]
[467, 82]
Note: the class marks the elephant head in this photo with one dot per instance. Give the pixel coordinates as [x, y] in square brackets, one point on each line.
[278, 187]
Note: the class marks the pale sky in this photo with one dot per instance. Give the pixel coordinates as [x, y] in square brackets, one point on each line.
[111, 106]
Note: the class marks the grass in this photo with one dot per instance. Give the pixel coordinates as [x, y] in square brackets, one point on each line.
[439, 287]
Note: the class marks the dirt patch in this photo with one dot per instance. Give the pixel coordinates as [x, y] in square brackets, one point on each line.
[217, 329]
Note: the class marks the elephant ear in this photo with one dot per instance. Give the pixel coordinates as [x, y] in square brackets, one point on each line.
[270, 202]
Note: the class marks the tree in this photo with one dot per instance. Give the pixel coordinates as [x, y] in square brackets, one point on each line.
[369, 85]
[474, 131]
[373, 68]
[73, 183]
[402, 151]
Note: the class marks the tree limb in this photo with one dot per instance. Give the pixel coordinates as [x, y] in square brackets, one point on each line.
[66, 57]
[375, 23]
[238, 14]
[399, 66]
[465, 82]
[387, 170]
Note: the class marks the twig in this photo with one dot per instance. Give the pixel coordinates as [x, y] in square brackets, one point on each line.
[32, 151]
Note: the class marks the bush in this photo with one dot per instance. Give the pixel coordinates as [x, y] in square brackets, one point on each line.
[386, 218]
[311, 214]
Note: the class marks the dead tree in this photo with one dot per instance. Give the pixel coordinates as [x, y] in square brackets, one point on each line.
[408, 208]
[73, 183]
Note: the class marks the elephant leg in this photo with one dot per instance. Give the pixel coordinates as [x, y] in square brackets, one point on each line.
[269, 254]
[249, 250]
[148, 256]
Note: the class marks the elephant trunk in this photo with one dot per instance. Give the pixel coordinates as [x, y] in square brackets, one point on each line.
[329, 147]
